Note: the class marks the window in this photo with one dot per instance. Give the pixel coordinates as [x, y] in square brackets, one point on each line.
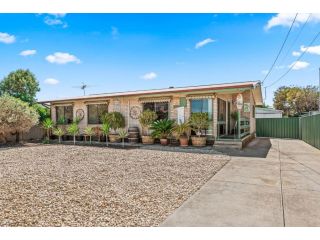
[64, 114]
[95, 112]
[160, 108]
[202, 105]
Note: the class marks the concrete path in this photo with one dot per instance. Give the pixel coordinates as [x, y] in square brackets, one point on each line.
[271, 183]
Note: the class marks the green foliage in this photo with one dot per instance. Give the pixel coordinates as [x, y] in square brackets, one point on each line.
[58, 132]
[105, 128]
[162, 128]
[114, 119]
[16, 116]
[146, 118]
[181, 130]
[43, 112]
[296, 100]
[122, 133]
[61, 121]
[73, 129]
[199, 121]
[48, 124]
[89, 132]
[20, 84]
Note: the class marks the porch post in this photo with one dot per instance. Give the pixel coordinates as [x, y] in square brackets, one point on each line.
[215, 117]
[227, 119]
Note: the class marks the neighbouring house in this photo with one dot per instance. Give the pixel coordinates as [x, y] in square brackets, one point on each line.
[268, 113]
[221, 101]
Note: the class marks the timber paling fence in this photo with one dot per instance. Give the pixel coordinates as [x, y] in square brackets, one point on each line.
[306, 128]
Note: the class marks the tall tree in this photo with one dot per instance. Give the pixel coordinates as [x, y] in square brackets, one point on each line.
[20, 84]
[16, 116]
[296, 100]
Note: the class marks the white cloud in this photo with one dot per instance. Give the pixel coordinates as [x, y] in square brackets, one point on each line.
[286, 19]
[115, 32]
[53, 19]
[296, 54]
[264, 72]
[297, 65]
[51, 81]
[311, 49]
[28, 52]
[7, 38]
[280, 67]
[149, 76]
[62, 58]
[204, 42]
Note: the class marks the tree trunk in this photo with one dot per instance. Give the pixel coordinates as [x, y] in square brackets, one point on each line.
[90, 139]
[59, 139]
[123, 142]
[74, 139]
[107, 140]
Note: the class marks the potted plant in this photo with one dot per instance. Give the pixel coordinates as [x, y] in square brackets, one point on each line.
[146, 118]
[182, 131]
[161, 129]
[115, 121]
[88, 131]
[122, 134]
[73, 129]
[58, 132]
[48, 125]
[199, 122]
[105, 128]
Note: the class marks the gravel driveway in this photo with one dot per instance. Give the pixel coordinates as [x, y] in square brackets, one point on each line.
[58, 185]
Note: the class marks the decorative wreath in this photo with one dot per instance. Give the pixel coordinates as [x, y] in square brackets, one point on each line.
[80, 114]
[135, 112]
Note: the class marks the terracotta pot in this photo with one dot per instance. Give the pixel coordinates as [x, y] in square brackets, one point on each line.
[114, 138]
[164, 141]
[199, 141]
[147, 140]
[184, 141]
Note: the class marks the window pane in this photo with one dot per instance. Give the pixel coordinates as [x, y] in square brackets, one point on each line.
[60, 114]
[68, 114]
[148, 106]
[102, 110]
[162, 110]
[93, 114]
[200, 105]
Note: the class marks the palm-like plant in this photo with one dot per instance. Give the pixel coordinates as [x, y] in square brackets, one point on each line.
[122, 134]
[105, 128]
[58, 132]
[74, 130]
[48, 124]
[89, 132]
[115, 120]
[182, 129]
[162, 128]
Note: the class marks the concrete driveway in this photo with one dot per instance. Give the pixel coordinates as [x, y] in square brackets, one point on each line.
[273, 182]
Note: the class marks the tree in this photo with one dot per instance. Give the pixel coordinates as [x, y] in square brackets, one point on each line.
[20, 84]
[44, 112]
[58, 132]
[73, 129]
[48, 125]
[296, 100]
[16, 116]
[105, 131]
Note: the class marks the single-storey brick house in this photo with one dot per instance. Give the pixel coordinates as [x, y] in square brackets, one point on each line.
[220, 101]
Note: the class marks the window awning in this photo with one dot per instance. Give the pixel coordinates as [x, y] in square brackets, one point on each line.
[155, 99]
[201, 96]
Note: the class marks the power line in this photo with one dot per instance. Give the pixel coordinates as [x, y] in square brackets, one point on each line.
[298, 59]
[284, 42]
[296, 38]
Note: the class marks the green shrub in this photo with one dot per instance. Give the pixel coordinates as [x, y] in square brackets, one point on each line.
[146, 118]
[162, 128]
[199, 122]
[115, 120]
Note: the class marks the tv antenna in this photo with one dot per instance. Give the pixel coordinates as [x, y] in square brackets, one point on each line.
[83, 87]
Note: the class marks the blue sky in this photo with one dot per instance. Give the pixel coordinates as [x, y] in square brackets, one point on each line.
[119, 52]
